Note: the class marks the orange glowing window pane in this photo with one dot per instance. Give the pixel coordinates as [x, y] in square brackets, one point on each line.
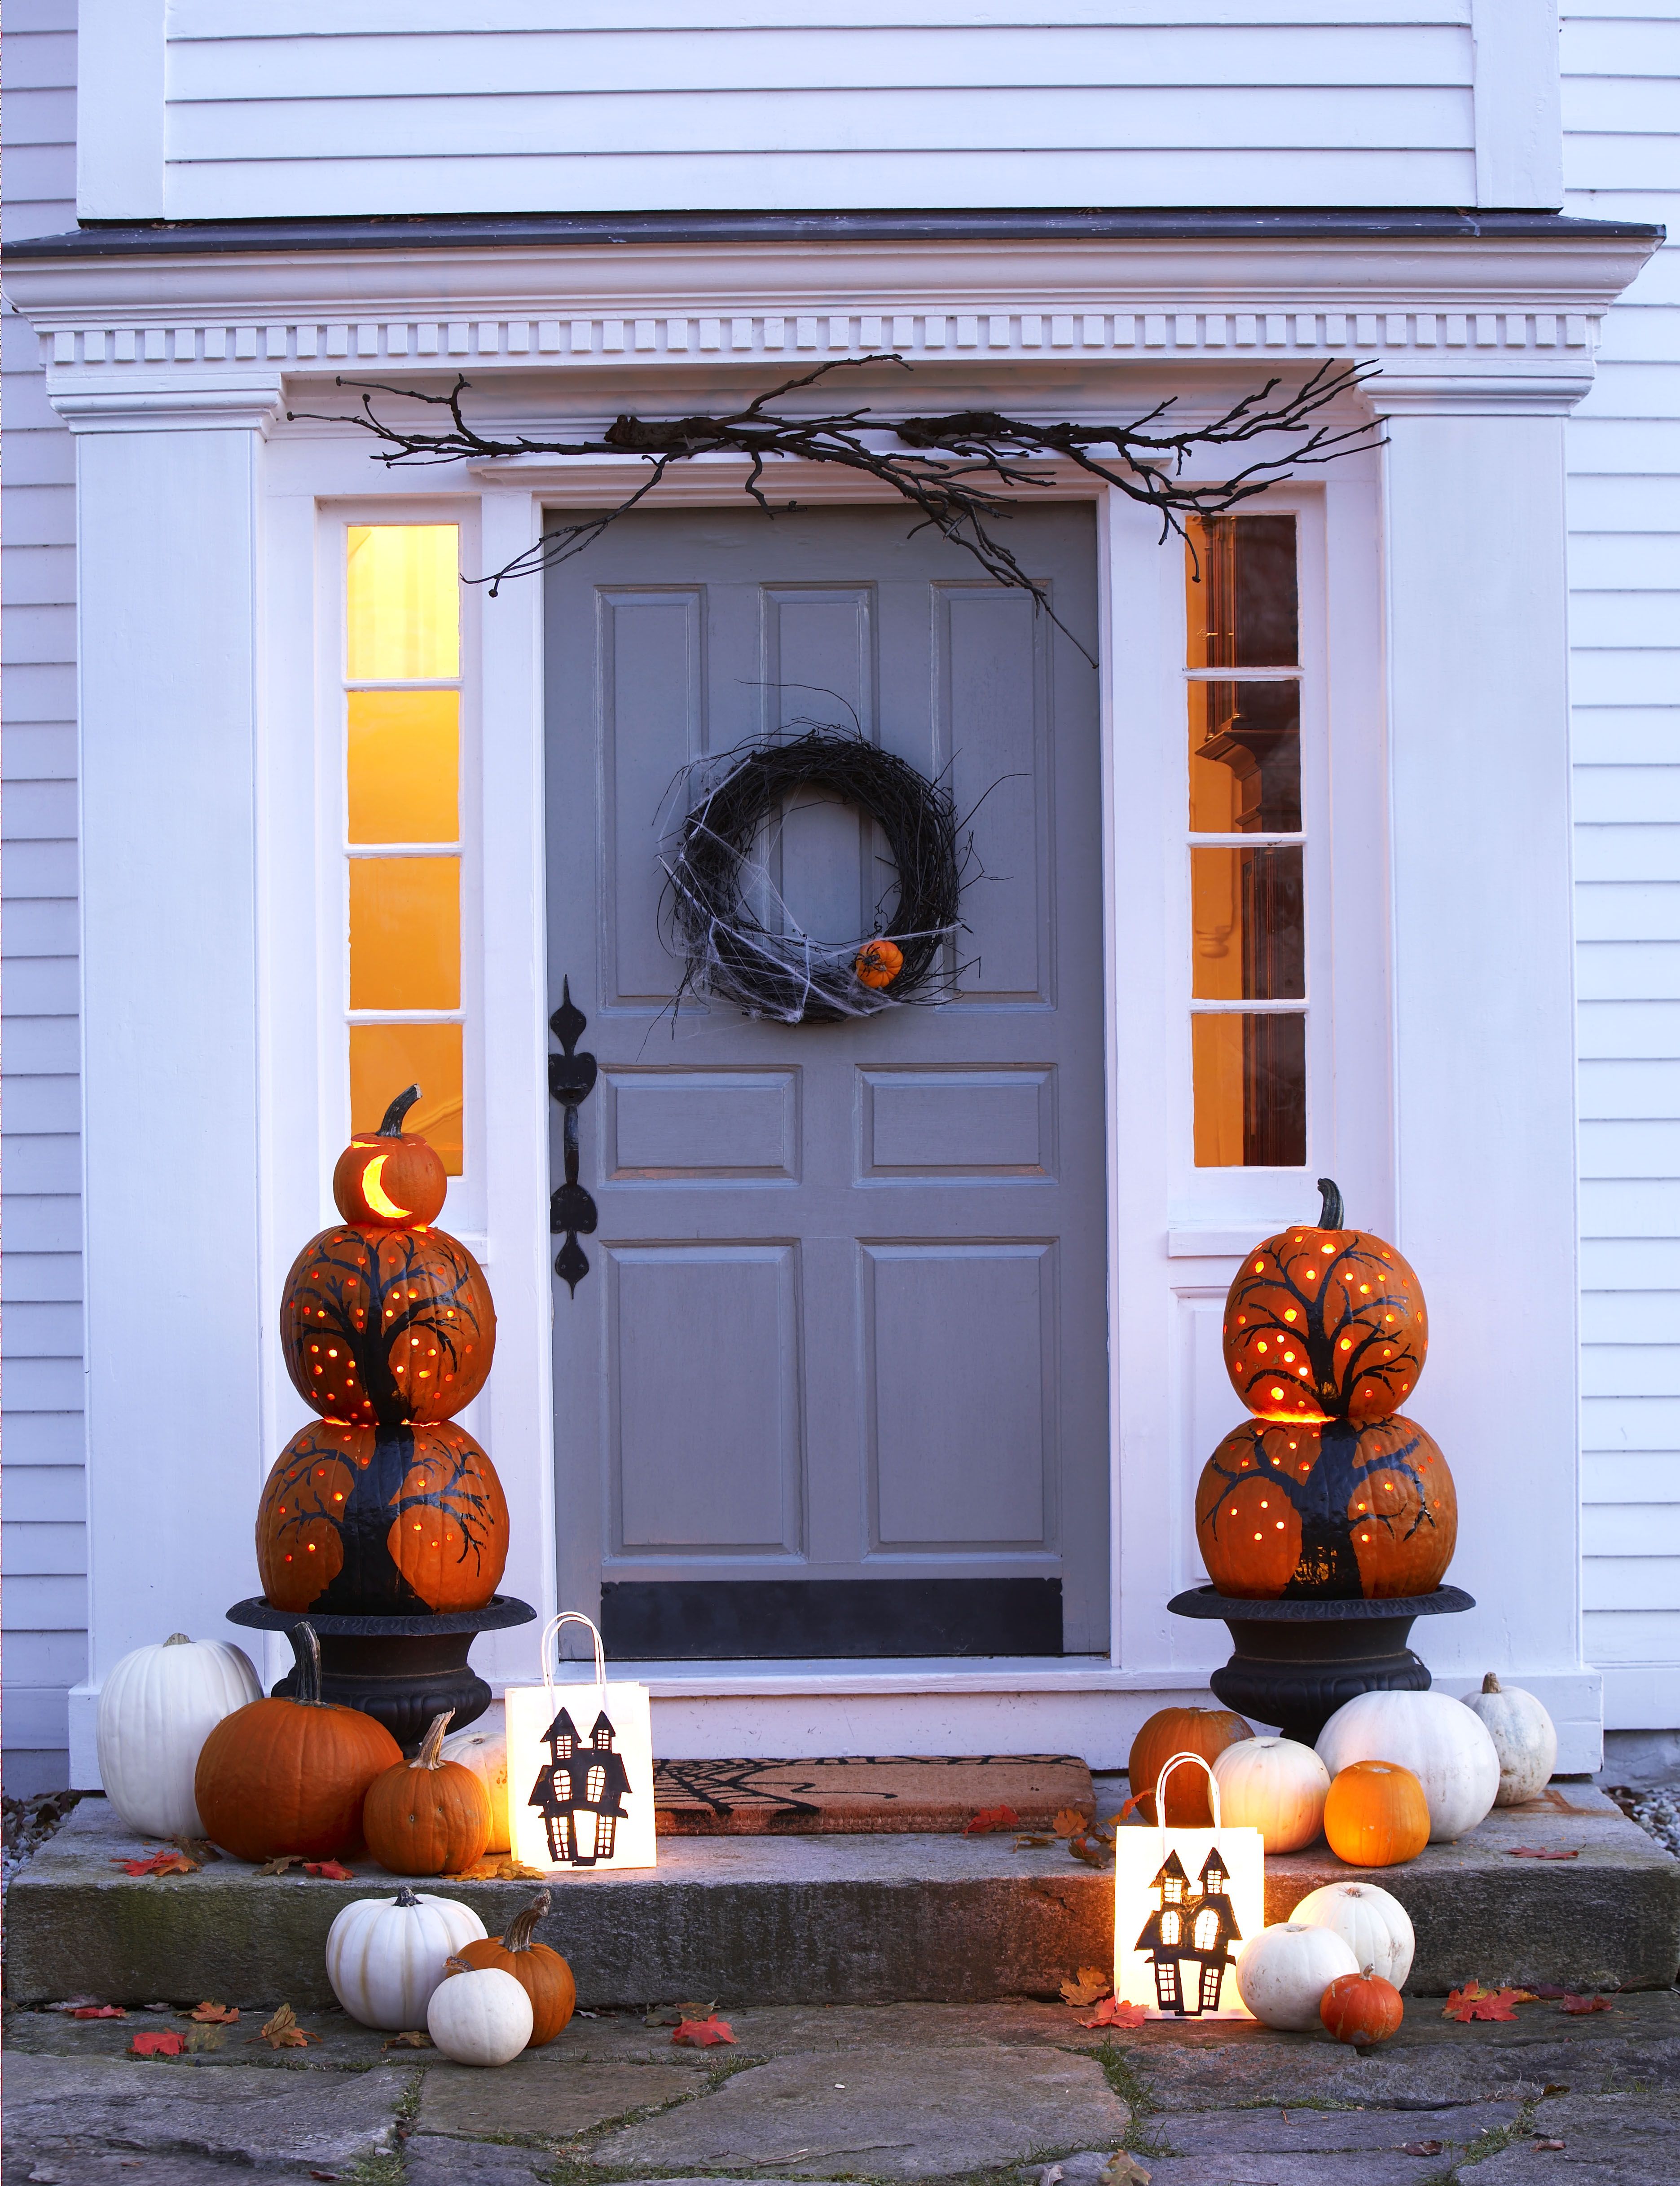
[404, 933]
[425, 1055]
[1250, 1076]
[404, 602]
[403, 774]
[1240, 592]
[1246, 916]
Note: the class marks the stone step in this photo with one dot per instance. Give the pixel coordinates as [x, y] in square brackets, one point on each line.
[851, 1919]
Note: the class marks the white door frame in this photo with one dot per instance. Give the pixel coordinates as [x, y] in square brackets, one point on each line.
[201, 843]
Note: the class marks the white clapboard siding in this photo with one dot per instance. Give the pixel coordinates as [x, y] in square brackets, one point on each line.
[42, 1541]
[372, 109]
[1622, 160]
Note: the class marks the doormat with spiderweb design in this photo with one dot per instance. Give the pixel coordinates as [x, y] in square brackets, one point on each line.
[887, 1795]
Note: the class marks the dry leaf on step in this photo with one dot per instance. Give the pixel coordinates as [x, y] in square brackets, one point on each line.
[283, 2030]
[1088, 1985]
[94, 2010]
[162, 2042]
[993, 1818]
[1123, 2169]
[329, 1870]
[1111, 2012]
[413, 2039]
[1579, 2005]
[1070, 1823]
[168, 1862]
[1472, 2001]
[703, 2033]
[1419, 2148]
[215, 2014]
[279, 1866]
[1537, 1852]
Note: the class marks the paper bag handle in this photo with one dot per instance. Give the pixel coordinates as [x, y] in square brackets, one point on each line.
[551, 1631]
[1200, 1761]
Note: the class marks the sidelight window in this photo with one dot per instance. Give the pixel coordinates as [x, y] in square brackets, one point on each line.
[1247, 844]
[404, 831]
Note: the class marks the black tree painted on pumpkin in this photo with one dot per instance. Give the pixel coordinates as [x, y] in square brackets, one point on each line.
[346, 1487]
[1323, 1499]
[379, 1295]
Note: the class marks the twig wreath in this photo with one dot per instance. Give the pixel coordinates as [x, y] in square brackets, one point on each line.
[958, 472]
[731, 930]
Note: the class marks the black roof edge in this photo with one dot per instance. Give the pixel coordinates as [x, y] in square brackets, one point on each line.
[491, 231]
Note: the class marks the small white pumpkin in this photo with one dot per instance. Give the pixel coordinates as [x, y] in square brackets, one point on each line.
[480, 2015]
[386, 1955]
[1375, 1926]
[1276, 1785]
[484, 1751]
[156, 1709]
[1284, 1972]
[1445, 1746]
[1524, 1737]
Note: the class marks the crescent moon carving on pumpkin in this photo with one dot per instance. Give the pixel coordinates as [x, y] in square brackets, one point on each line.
[374, 1193]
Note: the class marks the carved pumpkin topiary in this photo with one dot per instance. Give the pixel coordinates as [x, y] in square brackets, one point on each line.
[1331, 1510]
[289, 1775]
[543, 1974]
[1323, 1323]
[370, 1521]
[380, 1328]
[390, 1178]
[428, 1816]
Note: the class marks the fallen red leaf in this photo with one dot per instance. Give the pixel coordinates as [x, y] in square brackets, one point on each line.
[1472, 2001]
[1133, 1805]
[993, 1818]
[164, 2043]
[1534, 1852]
[703, 2033]
[329, 1870]
[1111, 2012]
[98, 2011]
[166, 1862]
[1579, 2005]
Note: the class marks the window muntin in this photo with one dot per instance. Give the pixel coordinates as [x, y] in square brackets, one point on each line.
[1246, 844]
[404, 835]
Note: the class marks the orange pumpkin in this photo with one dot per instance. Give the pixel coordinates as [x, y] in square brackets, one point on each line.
[879, 963]
[1362, 2007]
[1323, 1323]
[379, 1327]
[285, 1776]
[543, 1974]
[1375, 1814]
[1206, 1731]
[390, 1178]
[370, 1521]
[428, 1816]
[1332, 1509]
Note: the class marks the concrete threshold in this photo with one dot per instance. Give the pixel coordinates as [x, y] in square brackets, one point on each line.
[851, 1919]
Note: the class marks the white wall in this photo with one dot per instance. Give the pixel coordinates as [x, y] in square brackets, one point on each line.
[237, 109]
[1621, 104]
[45, 1594]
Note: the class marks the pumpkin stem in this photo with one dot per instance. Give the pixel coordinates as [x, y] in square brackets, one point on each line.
[1489, 1683]
[430, 1755]
[306, 1649]
[456, 1966]
[390, 1124]
[1329, 1211]
[406, 1896]
[520, 1928]
[177, 1640]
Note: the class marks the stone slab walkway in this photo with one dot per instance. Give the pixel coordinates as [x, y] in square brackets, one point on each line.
[1001, 2095]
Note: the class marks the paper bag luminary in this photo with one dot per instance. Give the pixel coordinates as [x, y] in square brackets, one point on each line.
[1185, 1902]
[579, 1768]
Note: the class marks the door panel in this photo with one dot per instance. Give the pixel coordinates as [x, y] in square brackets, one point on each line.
[837, 1379]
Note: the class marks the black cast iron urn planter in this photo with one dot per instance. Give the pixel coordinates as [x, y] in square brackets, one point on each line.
[1294, 1662]
[400, 1670]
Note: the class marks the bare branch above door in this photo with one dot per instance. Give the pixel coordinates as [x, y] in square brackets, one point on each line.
[959, 473]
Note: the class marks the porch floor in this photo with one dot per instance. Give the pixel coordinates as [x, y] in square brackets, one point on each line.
[834, 1920]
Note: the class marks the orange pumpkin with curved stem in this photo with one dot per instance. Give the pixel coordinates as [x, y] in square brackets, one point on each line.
[428, 1816]
[1324, 1323]
[390, 1178]
[381, 1327]
[542, 1973]
[1170, 1730]
[1328, 1511]
[381, 1522]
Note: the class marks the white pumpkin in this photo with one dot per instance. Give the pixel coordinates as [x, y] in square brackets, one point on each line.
[1284, 1971]
[484, 1751]
[480, 2015]
[156, 1709]
[386, 1955]
[1445, 1746]
[1524, 1737]
[1375, 1926]
[1276, 1785]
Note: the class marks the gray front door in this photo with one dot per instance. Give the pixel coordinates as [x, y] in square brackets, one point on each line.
[835, 1381]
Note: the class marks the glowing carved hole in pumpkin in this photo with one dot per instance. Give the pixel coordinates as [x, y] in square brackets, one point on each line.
[374, 1193]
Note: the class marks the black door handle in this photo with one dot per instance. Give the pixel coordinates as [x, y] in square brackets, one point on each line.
[571, 1080]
